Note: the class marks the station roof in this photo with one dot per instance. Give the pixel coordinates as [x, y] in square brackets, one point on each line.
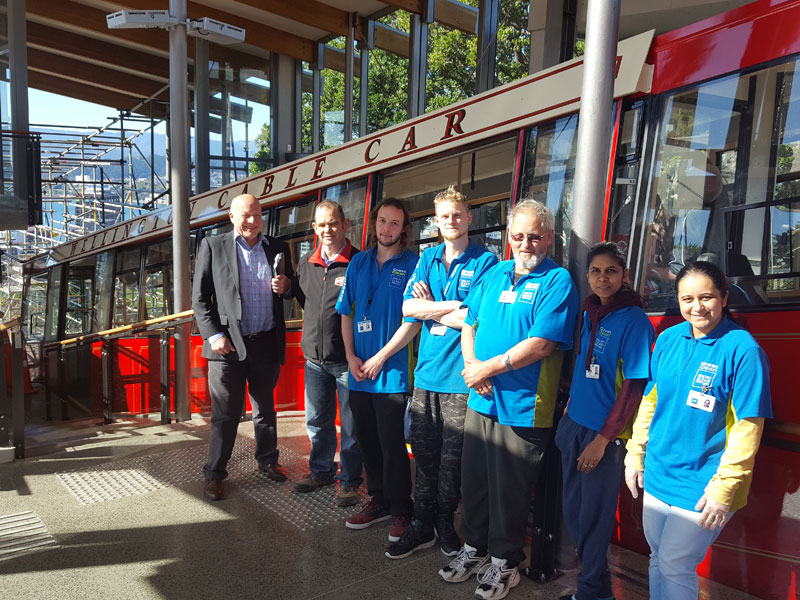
[71, 51]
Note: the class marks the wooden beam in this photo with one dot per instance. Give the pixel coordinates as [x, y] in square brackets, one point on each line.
[335, 59]
[392, 40]
[447, 12]
[120, 58]
[308, 12]
[90, 74]
[87, 93]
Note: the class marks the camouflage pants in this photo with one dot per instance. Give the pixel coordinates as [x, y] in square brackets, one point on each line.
[437, 435]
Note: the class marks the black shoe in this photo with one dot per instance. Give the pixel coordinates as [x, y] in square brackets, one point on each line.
[449, 542]
[311, 482]
[418, 535]
[275, 472]
[214, 490]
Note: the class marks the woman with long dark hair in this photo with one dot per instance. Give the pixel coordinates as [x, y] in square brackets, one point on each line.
[697, 431]
[611, 371]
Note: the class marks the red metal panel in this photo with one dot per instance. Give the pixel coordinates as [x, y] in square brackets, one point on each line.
[749, 35]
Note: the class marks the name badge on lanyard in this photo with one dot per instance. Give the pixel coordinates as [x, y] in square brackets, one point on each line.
[700, 400]
[593, 372]
[508, 296]
[364, 326]
[438, 329]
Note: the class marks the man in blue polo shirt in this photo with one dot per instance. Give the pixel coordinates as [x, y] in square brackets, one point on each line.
[520, 318]
[444, 276]
[376, 347]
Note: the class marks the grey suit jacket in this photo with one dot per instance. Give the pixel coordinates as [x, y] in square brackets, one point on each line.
[216, 298]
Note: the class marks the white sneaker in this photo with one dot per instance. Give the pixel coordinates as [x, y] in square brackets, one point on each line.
[496, 580]
[463, 565]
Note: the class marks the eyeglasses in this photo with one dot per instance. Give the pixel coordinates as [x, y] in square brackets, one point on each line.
[532, 237]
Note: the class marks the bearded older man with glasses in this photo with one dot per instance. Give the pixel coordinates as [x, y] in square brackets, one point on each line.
[520, 318]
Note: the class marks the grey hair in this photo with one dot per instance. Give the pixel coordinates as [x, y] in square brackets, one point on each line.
[528, 205]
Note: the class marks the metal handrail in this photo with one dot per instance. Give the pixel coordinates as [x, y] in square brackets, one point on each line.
[133, 327]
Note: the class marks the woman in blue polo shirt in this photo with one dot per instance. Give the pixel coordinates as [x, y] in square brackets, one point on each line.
[697, 431]
[611, 372]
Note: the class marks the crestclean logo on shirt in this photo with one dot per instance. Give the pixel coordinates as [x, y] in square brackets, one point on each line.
[529, 292]
[397, 277]
[465, 281]
[601, 339]
[704, 378]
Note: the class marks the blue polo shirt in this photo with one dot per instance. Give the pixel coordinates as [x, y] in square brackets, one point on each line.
[440, 362]
[687, 436]
[376, 295]
[622, 349]
[545, 306]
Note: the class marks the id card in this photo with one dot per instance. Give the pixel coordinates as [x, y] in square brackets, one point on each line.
[364, 326]
[508, 296]
[700, 400]
[438, 329]
[593, 372]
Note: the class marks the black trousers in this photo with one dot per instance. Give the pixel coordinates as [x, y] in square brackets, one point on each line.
[378, 420]
[227, 381]
[499, 465]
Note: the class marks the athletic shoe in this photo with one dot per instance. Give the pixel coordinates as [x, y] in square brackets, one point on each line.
[399, 526]
[347, 495]
[463, 565]
[311, 482]
[417, 536]
[449, 542]
[495, 580]
[371, 513]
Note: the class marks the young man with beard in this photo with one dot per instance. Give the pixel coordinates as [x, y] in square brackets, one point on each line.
[520, 318]
[441, 282]
[320, 276]
[376, 345]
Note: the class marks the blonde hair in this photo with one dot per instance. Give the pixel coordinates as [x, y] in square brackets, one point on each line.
[451, 194]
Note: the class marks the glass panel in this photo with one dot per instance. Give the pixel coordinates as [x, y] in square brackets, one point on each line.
[296, 218]
[388, 101]
[451, 64]
[80, 297]
[158, 292]
[160, 252]
[126, 288]
[727, 188]
[513, 41]
[549, 174]
[104, 277]
[353, 198]
[35, 306]
[482, 175]
[53, 303]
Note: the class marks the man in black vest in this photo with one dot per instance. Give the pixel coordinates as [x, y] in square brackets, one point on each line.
[320, 275]
[238, 283]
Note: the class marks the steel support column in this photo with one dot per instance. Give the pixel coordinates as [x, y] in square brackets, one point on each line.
[489, 11]
[417, 65]
[18, 64]
[5, 400]
[545, 23]
[17, 394]
[202, 161]
[594, 134]
[316, 98]
[179, 187]
[363, 77]
[349, 79]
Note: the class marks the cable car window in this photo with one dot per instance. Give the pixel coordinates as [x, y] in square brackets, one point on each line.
[549, 174]
[79, 314]
[727, 188]
[126, 287]
[158, 281]
[352, 196]
[35, 306]
[55, 275]
[103, 293]
[294, 227]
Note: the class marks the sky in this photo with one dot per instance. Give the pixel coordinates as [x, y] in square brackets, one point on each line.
[49, 109]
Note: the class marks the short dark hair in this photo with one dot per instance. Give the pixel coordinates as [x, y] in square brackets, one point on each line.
[710, 270]
[333, 206]
[408, 231]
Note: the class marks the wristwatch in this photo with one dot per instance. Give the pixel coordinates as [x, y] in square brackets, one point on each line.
[507, 361]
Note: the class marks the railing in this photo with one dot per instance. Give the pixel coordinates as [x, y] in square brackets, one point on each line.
[166, 325]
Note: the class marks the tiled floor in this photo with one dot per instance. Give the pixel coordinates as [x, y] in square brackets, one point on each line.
[121, 511]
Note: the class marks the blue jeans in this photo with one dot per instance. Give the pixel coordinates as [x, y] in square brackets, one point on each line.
[677, 545]
[323, 382]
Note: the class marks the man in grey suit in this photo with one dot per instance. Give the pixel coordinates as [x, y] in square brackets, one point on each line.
[240, 278]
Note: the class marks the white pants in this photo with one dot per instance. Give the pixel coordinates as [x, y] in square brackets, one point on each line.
[677, 545]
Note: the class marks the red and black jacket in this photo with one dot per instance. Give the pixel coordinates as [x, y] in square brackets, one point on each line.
[317, 291]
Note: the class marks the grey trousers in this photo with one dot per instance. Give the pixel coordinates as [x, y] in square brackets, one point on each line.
[499, 465]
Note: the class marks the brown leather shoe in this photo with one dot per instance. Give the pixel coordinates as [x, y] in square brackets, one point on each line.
[214, 490]
[275, 472]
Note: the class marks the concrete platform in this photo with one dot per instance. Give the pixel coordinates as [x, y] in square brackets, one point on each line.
[116, 511]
